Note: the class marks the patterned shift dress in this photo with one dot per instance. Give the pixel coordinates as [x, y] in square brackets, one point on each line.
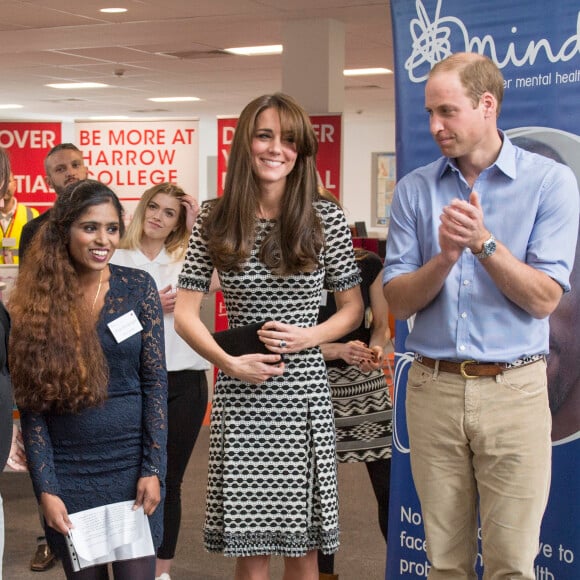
[272, 465]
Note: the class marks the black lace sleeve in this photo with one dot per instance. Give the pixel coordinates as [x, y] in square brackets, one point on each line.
[39, 453]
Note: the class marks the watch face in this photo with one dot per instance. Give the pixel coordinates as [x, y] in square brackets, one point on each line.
[489, 247]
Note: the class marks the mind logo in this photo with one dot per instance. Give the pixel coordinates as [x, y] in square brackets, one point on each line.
[433, 39]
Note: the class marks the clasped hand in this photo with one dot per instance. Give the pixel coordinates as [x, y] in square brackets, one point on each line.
[280, 339]
[357, 353]
[462, 227]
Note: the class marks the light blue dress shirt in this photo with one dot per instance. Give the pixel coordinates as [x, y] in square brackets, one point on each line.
[530, 204]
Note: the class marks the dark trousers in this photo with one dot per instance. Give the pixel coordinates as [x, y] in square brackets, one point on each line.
[186, 406]
[380, 476]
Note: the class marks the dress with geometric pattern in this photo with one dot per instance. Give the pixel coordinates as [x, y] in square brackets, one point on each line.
[272, 485]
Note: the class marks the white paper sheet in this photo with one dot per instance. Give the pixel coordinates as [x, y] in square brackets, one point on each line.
[109, 533]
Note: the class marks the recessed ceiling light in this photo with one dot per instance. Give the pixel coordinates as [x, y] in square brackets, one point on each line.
[355, 72]
[113, 10]
[256, 50]
[173, 99]
[11, 106]
[76, 85]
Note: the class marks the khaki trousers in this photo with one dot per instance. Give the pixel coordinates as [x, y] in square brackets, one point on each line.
[480, 443]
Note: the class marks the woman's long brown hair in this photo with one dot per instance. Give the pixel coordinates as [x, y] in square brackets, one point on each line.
[294, 242]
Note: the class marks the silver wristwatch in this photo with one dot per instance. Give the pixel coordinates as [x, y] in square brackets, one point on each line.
[489, 247]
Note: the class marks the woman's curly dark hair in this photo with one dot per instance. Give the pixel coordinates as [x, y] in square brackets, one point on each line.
[55, 356]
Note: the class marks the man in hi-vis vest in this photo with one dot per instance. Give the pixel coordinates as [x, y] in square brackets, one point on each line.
[13, 217]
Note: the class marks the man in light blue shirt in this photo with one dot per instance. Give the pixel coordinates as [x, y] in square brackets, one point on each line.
[480, 248]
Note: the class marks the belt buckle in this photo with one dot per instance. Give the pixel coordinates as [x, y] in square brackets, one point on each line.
[462, 369]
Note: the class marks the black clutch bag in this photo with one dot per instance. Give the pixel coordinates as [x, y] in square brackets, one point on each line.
[242, 339]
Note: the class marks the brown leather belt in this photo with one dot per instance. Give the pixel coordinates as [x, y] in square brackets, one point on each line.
[468, 369]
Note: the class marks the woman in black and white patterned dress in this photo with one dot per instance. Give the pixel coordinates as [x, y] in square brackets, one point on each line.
[275, 244]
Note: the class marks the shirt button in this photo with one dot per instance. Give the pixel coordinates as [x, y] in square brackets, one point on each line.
[467, 251]
[462, 348]
[464, 315]
[466, 282]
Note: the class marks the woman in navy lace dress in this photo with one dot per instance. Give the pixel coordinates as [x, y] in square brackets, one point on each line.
[89, 374]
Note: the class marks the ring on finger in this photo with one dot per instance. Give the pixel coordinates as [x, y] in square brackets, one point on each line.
[282, 344]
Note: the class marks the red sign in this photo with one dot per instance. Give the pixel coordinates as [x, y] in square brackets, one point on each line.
[328, 129]
[131, 156]
[27, 144]
[226, 128]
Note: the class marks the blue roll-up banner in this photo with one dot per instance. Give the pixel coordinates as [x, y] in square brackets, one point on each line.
[536, 44]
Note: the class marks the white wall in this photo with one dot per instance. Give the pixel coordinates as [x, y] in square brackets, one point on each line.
[362, 136]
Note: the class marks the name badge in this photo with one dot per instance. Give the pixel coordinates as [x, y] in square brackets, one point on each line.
[323, 298]
[8, 242]
[125, 326]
